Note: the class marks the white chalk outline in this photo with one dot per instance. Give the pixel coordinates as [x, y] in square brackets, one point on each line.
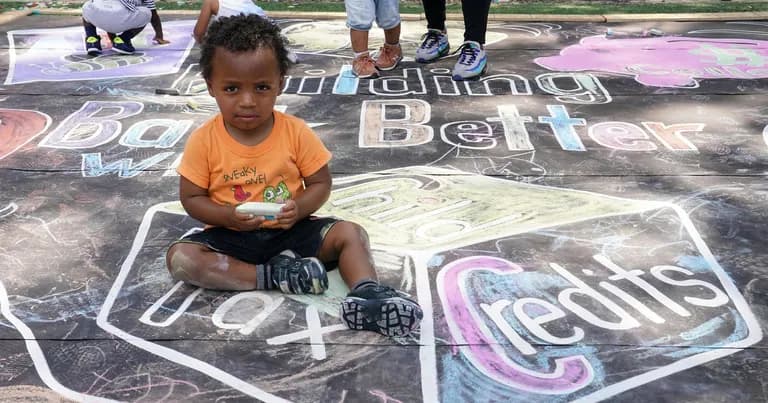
[168, 353]
[427, 352]
[37, 356]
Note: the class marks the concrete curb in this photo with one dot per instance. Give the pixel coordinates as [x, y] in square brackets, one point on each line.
[742, 16]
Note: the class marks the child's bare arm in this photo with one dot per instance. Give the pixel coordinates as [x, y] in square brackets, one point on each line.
[206, 11]
[157, 25]
[316, 193]
[199, 205]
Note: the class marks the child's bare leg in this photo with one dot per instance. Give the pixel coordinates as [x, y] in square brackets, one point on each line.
[359, 41]
[348, 243]
[369, 305]
[198, 265]
[392, 35]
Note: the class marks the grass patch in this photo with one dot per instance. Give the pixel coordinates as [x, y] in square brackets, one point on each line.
[411, 7]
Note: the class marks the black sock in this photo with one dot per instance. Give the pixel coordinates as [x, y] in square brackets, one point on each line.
[365, 284]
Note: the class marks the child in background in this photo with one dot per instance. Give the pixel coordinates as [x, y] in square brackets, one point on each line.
[250, 152]
[123, 20]
[213, 9]
[360, 17]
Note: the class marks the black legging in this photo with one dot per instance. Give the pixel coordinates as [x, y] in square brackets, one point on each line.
[475, 17]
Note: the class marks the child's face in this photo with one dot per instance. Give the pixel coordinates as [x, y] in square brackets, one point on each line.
[246, 86]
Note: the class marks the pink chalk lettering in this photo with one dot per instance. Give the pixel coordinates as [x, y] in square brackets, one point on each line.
[476, 341]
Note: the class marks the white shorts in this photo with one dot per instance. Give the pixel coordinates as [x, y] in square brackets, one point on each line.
[112, 16]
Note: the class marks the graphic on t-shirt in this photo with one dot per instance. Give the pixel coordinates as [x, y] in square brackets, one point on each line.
[277, 194]
[241, 194]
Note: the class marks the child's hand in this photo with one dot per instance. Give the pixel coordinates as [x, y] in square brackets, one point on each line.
[246, 222]
[160, 41]
[288, 215]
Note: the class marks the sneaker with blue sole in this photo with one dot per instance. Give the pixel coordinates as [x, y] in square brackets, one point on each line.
[381, 309]
[472, 62]
[433, 46]
[295, 275]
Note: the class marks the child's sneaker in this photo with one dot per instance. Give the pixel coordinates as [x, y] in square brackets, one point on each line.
[123, 46]
[381, 309]
[295, 275]
[364, 67]
[93, 45]
[434, 46]
[389, 56]
[472, 62]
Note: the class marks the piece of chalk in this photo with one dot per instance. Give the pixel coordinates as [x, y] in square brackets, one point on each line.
[167, 91]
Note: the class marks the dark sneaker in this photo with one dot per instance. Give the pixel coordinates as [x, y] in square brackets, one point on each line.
[295, 275]
[381, 309]
[93, 45]
[472, 62]
[434, 46]
[123, 46]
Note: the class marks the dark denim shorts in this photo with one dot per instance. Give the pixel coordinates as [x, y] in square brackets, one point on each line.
[257, 247]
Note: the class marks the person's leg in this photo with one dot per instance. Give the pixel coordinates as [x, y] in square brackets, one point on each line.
[221, 258]
[391, 53]
[360, 16]
[347, 243]
[388, 18]
[90, 29]
[359, 40]
[475, 19]
[132, 24]
[122, 43]
[473, 61]
[369, 305]
[198, 265]
[434, 10]
[131, 33]
[92, 39]
[435, 42]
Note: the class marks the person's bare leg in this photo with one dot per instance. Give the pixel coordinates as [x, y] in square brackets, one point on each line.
[392, 35]
[359, 40]
[348, 244]
[198, 265]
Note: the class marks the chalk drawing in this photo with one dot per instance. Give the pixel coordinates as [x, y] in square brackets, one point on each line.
[9, 209]
[380, 200]
[36, 353]
[95, 123]
[168, 353]
[669, 61]
[93, 165]
[55, 54]
[765, 135]
[18, 127]
[476, 343]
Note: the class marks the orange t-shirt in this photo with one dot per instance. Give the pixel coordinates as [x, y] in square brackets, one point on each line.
[271, 171]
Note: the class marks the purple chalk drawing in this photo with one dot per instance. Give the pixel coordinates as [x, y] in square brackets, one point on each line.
[478, 345]
[672, 61]
[58, 54]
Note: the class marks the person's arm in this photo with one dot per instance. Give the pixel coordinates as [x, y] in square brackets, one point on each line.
[316, 192]
[158, 27]
[206, 12]
[199, 205]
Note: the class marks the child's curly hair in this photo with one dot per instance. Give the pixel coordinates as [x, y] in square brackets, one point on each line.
[241, 33]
